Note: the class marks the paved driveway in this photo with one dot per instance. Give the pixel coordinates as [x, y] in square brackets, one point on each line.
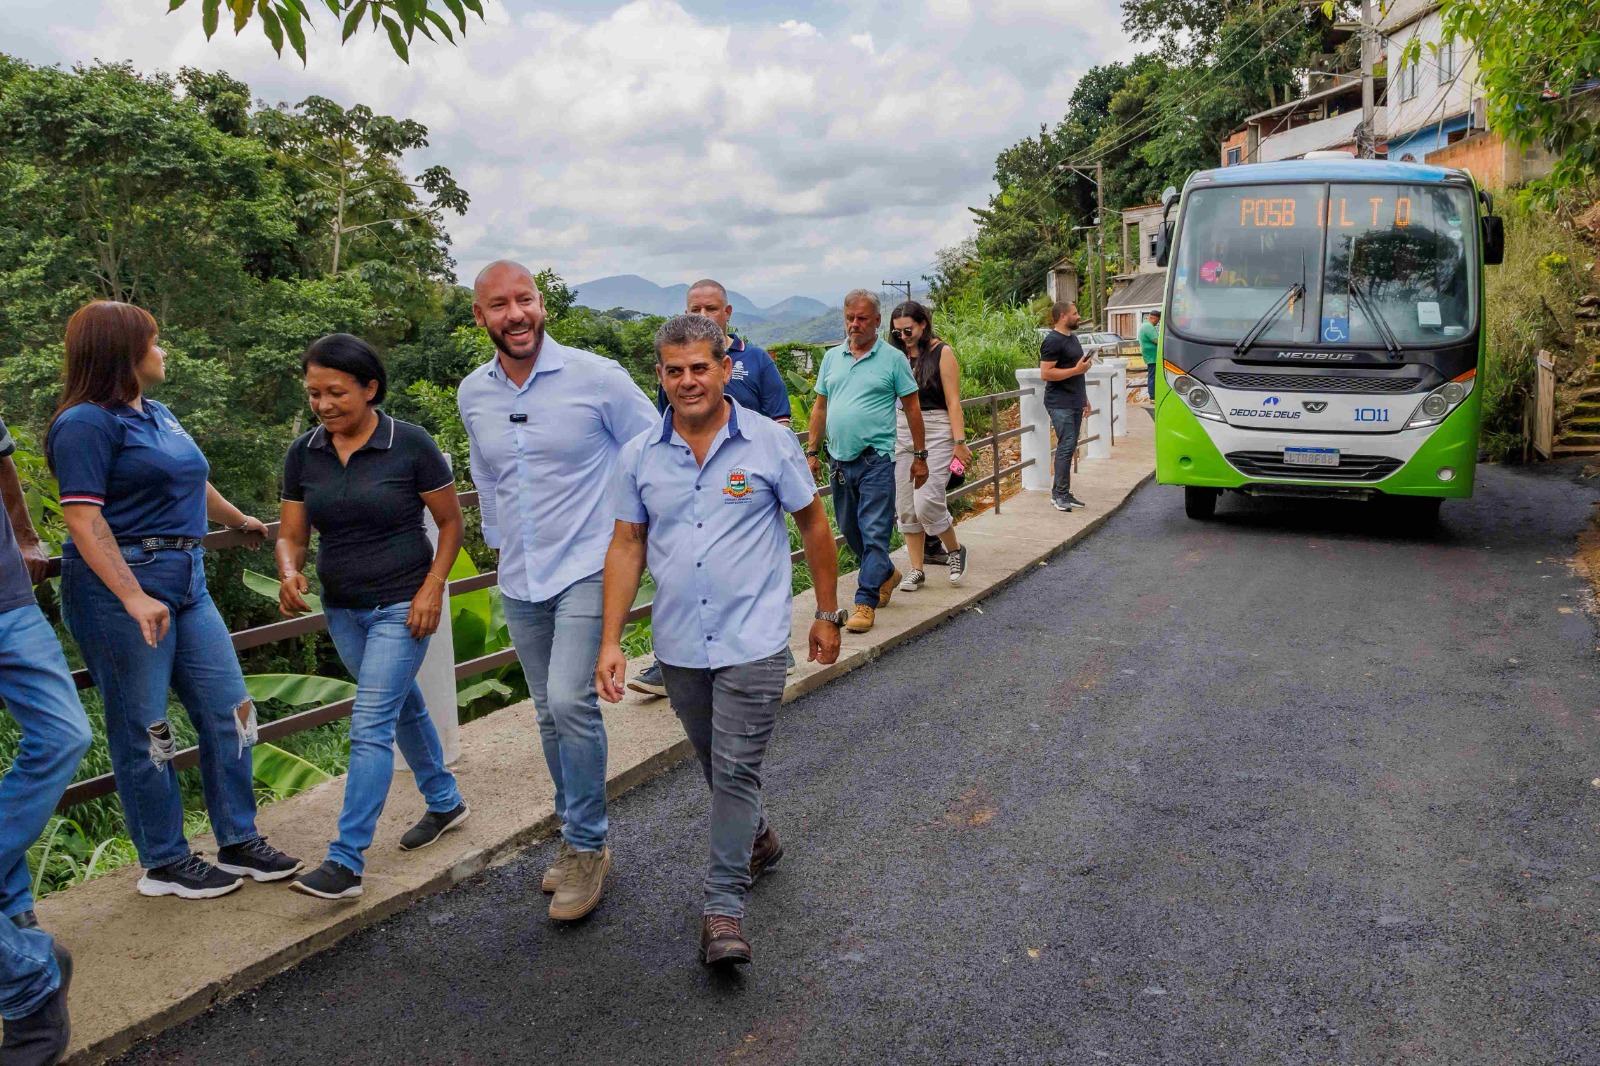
[1280, 788]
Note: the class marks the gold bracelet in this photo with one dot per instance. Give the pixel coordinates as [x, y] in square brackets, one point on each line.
[437, 578]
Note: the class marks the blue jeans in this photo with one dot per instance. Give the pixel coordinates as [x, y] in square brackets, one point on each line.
[378, 649]
[558, 642]
[863, 505]
[28, 971]
[196, 659]
[1068, 424]
[39, 693]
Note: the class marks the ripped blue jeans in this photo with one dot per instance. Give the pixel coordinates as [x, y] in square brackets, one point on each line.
[196, 660]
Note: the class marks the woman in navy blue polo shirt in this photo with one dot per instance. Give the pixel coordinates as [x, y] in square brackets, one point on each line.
[136, 496]
[361, 480]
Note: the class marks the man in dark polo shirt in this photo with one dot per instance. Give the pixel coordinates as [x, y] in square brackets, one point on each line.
[39, 693]
[755, 383]
[1062, 365]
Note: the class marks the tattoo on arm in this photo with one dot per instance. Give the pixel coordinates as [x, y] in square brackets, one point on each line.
[120, 580]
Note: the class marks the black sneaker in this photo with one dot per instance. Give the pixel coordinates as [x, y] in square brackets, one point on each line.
[331, 880]
[258, 860]
[41, 1038]
[958, 564]
[934, 554]
[650, 680]
[191, 878]
[433, 825]
[1075, 501]
[1061, 505]
[25, 920]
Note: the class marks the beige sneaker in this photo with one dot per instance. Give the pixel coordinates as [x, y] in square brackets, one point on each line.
[558, 869]
[581, 882]
[887, 589]
[861, 620]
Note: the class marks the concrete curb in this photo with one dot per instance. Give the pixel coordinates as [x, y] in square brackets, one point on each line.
[143, 965]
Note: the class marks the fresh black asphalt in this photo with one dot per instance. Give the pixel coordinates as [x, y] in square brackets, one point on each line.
[1285, 787]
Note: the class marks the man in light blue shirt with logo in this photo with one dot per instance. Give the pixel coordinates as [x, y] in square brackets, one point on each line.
[545, 423]
[757, 385]
[703, 493]
[857, 386]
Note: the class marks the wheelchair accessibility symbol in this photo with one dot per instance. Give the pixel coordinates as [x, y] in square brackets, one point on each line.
[1335, 330]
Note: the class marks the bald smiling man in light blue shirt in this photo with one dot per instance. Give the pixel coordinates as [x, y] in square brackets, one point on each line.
[704, 492]
[545, 423]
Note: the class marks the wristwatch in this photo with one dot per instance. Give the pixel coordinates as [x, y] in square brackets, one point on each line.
[836, 617]
[920, 455]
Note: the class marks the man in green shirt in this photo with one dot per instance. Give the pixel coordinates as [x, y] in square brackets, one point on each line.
[1149, 340]
[854, 418]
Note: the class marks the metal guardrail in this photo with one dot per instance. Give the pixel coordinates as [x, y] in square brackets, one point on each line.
[255, 637]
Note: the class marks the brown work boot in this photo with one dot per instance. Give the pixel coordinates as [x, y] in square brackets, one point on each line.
[764, 854]
[581, 882]
[558, 869]
[861, 620]
[887, 589]
[722, 943]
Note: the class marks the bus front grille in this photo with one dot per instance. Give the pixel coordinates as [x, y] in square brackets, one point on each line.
[1315, 383]
[1350, 468]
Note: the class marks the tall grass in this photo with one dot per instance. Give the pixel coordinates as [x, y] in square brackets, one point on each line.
[1528, 301]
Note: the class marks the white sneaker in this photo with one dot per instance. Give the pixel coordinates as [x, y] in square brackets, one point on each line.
[912, 581]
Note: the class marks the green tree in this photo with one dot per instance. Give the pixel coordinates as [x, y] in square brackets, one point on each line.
[285, 21]
[1539, 61]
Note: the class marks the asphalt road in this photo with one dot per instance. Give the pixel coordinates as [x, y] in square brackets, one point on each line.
[1281, 788]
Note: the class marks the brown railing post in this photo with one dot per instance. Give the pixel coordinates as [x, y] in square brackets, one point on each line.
[994, 444]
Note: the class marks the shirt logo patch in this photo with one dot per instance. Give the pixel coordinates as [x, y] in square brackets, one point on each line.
[738, 485]
[739, 372]
[173, 427]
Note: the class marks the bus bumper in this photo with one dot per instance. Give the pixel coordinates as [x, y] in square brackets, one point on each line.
[1191, 451]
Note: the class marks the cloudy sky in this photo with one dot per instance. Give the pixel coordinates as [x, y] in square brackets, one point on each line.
[799, 147]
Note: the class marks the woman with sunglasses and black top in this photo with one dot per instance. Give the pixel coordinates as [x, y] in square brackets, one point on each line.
[924, 512]
[136, 496]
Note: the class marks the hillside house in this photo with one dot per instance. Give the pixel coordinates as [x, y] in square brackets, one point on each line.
[1141, 285]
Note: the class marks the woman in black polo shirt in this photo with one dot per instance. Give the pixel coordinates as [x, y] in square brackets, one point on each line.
[361, 480]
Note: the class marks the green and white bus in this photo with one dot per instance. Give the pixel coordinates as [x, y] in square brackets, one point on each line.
[1323, 331]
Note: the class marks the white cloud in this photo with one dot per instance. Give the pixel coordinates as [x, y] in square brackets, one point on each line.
[649, 139]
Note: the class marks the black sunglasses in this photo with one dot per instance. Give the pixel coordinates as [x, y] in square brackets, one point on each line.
[901, 334]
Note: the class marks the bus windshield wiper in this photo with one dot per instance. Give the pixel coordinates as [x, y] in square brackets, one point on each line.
[1370, 309]
[1295, 291]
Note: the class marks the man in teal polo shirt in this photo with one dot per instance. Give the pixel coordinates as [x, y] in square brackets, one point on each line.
[1149, 342]
[857, 387]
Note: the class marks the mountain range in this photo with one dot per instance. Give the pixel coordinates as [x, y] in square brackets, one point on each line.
[634, 293]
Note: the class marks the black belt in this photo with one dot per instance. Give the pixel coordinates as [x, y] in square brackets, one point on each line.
[153, 544]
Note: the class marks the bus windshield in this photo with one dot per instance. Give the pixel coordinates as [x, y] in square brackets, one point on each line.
[1373, 259]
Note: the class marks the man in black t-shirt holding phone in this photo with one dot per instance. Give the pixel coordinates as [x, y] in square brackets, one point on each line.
[1062, 364]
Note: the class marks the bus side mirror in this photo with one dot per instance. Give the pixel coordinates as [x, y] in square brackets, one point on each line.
[1164, 244]
[1494, 240]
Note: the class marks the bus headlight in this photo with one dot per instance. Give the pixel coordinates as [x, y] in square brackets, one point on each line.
[1196, 395]
[1437, 405]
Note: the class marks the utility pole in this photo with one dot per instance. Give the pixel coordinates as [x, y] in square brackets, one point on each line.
[906, 285]
[1100, 233]
[1367, 143]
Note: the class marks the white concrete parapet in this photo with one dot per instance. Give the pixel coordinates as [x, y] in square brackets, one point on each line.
[437, 677]
[1102, 384]
[1036, 443]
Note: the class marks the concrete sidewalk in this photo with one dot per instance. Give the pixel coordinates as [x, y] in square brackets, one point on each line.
[144, 964]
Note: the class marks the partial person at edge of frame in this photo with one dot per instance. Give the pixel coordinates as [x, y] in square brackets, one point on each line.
[136, 496]
[755, 382]
[545, 423]
[712, 481]
[854, 418]
[361, 479]
[923, 511]
[35, 969]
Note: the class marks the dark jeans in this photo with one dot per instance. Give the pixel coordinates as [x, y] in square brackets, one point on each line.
[728, 715]
[1068, 424]
[863, 505]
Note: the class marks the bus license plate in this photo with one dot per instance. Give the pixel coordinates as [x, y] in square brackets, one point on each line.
[1311, 456]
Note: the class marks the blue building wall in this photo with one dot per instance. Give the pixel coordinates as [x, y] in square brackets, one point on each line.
[1418, 143]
